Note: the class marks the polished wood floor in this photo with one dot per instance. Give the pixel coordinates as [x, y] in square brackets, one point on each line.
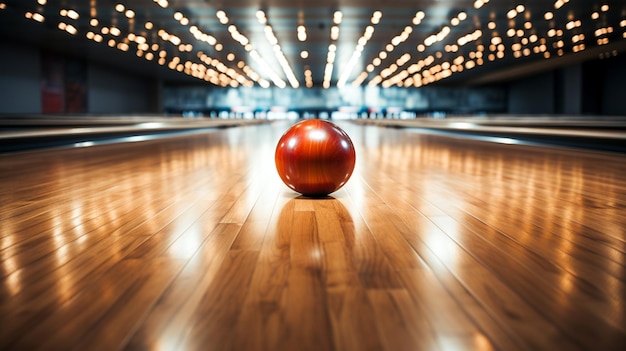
[193, 243]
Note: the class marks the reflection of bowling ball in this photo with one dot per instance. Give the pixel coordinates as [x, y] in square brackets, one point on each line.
[315, 157]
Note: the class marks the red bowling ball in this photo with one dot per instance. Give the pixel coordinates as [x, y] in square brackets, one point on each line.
[315, 157]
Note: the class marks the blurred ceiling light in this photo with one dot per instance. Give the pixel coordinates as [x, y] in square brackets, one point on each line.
[337, 17]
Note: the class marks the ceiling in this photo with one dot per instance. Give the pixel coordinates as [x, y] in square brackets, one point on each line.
[408, 43]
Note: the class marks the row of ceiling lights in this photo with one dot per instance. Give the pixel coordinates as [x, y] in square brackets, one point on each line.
[224, 76]
[304, 54]
[367, 35]
[411, 75]
[444, 70]
[417, 19]
[414, 75]
[332, 49]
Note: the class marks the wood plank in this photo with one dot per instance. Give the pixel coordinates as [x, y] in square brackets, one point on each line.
[167, 322]
[374, 269]
[352, 319]
[33, 300]
[447, 260]
[59, 330]
[215, 317]
[262, 320]
[399, 322]
[114, 328]
[256, 224]
[389, 235]
[483, 325]
[33, 254]
[582, 280]
[601, 304]
[509, 273]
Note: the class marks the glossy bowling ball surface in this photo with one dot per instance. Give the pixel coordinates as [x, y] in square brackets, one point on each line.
[315, 157]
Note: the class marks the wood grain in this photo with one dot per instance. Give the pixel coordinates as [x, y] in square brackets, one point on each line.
[194, 243]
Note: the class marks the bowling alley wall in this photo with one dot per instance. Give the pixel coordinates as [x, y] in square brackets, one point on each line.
[596, 87]
[35, 80]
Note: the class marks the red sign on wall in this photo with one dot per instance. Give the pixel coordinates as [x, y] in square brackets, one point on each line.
[63, 84]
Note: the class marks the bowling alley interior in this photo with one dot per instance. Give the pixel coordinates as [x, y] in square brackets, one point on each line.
[328, 175]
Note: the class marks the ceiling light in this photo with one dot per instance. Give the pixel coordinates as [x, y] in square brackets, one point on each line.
[260, 15]
[511, 14]
[162, 3]
[559, 3]
[334, 32]
[301, 33]
[419, 16]
[221, 16]
[72, 14]
[337, 17]
[376, 16]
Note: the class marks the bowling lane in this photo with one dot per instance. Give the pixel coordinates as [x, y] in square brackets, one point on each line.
[194, 243]
[24, 133]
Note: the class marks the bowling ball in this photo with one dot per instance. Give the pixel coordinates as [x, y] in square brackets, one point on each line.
[315, 157]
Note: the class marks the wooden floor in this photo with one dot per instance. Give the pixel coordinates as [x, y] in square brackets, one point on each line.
[193, 243]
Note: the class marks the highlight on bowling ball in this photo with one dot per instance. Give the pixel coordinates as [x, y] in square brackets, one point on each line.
[315, 157]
